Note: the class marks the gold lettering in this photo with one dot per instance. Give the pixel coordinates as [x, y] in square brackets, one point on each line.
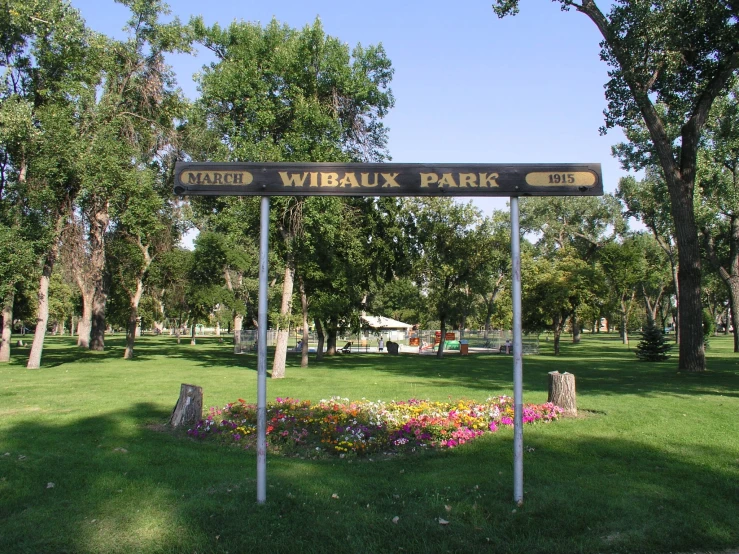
[217, 178]
[349, 180]
[365, 180]
[293, 179]
[448, 179]
[329, 179]
[428, 179]
[488, 180]
[467, 180]
[313, 179]
[390, 179]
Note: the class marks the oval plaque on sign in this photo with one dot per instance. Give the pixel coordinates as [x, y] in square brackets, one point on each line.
[552, 179]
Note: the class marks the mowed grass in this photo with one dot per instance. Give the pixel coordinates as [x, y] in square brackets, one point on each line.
[87, 464]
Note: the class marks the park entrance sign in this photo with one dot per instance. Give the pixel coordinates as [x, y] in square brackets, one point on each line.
[313, 179]
[470, 180]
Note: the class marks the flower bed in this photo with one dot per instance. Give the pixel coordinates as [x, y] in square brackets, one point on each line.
[341, 426]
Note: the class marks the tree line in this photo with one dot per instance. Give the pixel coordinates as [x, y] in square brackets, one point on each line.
[90, 129]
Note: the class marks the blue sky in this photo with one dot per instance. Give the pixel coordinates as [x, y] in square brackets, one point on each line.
[469, 87]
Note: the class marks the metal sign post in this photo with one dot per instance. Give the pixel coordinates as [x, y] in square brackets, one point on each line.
[517, 355]
[386, 179]
[262, 352]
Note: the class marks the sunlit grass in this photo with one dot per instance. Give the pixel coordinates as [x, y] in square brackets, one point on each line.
[651, 464]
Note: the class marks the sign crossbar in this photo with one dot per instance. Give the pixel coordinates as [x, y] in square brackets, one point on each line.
[311, 179]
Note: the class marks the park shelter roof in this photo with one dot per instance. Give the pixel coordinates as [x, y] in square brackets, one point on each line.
[381, 322]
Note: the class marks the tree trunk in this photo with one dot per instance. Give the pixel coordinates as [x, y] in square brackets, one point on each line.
[321, 338]
[575, 329]
[283, 329]
[7, 327]
[557, 331]
[304, 306]
[97, 328]
[562, 391]
[238, 323]
[42, 317]
[676, 319]
[238, 319]
[192, 335]
[440, 350]
[133, 320]
[189, 408]
[331, 335]
[652, 306]
[486, 332]
[98, 220]
[84, 325]
[692, 356]
[624, 330]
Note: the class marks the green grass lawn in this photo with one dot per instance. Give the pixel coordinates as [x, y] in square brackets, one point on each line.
[650, 465]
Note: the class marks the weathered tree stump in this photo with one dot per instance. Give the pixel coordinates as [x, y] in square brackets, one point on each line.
[189, 408]
[562, 391]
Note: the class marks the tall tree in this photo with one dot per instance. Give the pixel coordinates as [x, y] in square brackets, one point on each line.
[448, 237]
[493, 277]
[574, 227]
[168, 282]
[555, 285]
[279, 94]
[625, 270]
[680, 55]
[49, 75]
[648, 201]
[718, 212]
[129, 127]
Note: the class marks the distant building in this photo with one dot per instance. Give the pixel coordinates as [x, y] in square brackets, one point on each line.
[391, 329]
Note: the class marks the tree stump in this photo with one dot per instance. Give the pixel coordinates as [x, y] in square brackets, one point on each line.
[562, 391]
[189, 408]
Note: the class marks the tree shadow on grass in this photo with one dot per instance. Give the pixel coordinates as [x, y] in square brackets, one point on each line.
[593, 374]
[208, 352]
[600, 366]
[117, 482]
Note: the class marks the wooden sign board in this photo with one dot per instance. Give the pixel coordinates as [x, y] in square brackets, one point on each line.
[386, 179]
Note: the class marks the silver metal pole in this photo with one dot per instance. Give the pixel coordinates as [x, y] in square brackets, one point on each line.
[517, 356]
[262, 353]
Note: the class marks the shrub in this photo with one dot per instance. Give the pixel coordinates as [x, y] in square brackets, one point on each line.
[653, 347]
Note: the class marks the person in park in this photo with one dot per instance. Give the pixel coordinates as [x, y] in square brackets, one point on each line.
[380, 344]
[508, 346]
